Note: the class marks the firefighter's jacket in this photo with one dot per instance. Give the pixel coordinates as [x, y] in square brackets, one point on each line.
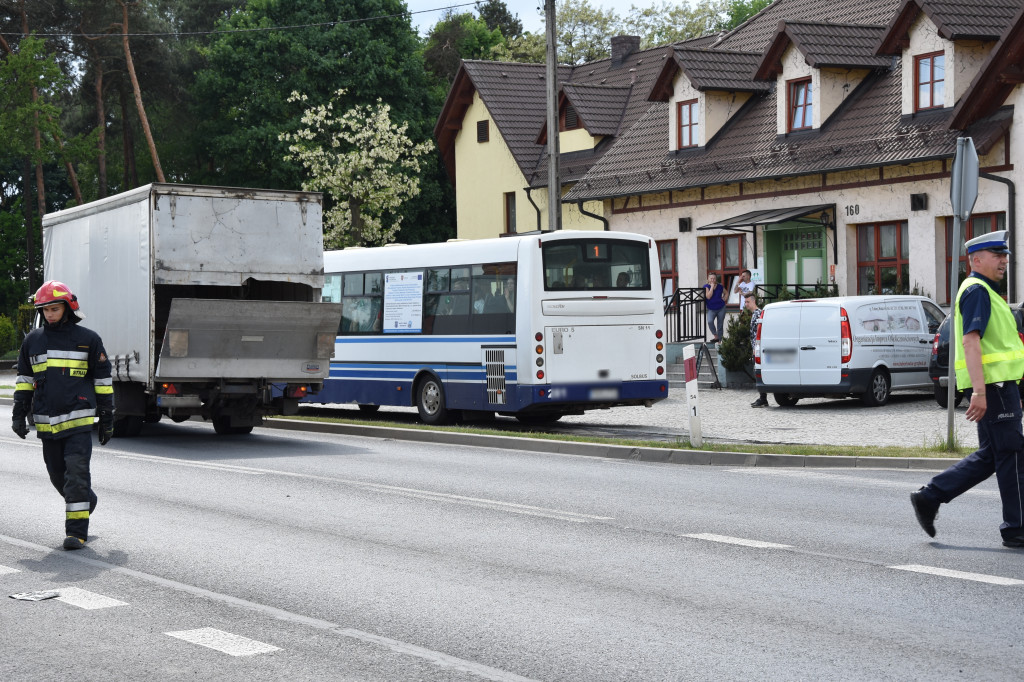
[64, 376]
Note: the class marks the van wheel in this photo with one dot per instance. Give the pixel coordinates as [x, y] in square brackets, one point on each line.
[785, 399]
[878, 389]
[430, 401]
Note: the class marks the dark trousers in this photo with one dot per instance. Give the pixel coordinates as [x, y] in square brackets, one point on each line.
[67, 463]
[1000, 452]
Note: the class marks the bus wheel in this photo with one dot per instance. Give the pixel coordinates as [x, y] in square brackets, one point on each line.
[538, 418]
[430, 401]
[368, 409]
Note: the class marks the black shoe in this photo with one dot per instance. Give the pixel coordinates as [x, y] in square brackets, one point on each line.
[1014, 542]
[71, 542]
[926, 511]
[760, 402]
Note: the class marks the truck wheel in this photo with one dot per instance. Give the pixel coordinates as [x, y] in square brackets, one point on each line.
[785, 399]
[128, 426]
[430, 401]
[878, 389]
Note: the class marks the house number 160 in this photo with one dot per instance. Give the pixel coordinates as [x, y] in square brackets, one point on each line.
[853, 210]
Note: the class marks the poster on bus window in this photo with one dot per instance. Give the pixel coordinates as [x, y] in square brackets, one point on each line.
[403, 302]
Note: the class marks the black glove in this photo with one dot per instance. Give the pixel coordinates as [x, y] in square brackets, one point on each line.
[20, 425]
[106, 426]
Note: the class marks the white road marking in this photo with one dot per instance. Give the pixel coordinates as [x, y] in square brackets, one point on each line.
[735, 541]
[512, 507]
[962, 575]
[437, 657]
[4, 570]
[483, 671]
[84, 599]
[225, 642]
[878, 482]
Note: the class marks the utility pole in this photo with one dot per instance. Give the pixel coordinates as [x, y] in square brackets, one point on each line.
[554, 183]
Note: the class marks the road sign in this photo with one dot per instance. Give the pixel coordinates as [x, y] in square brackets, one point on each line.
[963, 189]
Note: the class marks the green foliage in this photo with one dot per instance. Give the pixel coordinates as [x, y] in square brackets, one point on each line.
[457, 37]
[664, 23]
[13, 287]
[365, 162]
[26, 316]
[495, 14]
[734, 351]
[584, 32]
[27, 66]
[738, 11]
[8, 335]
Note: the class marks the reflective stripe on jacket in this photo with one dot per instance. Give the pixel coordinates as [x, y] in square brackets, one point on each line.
[1002, 352]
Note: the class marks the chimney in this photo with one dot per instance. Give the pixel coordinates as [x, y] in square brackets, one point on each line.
[622, 47]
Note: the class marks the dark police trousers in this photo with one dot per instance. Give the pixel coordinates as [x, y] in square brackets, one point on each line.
[67, 463]
[1000, 451]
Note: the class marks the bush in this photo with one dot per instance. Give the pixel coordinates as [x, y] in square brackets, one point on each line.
[735, 352]
[8, 335]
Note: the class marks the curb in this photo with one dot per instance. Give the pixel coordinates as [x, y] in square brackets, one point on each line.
[622, 452]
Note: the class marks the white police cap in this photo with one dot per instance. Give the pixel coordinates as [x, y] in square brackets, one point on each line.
[993, 241]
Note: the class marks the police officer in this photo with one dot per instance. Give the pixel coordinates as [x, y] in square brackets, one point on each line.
[64, 382]
[989, 362]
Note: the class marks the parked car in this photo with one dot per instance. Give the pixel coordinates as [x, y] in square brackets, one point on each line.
[938, 366]
[861, 346]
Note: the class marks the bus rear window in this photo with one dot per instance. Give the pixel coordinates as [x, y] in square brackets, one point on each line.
[589, 264]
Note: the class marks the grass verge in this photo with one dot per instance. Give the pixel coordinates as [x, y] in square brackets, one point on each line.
[936, 449]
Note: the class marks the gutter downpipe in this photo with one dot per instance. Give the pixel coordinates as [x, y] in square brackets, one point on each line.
[579, 205]
[529, 197]
[1011, 225]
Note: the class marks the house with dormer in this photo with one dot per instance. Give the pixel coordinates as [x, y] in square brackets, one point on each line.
[812, 145]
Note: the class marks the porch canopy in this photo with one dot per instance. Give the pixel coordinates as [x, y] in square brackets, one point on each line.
[778, 215]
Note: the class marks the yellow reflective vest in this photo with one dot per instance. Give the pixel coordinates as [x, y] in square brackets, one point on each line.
[1002, 352]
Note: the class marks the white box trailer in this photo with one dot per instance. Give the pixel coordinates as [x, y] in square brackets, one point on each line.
[207, 299]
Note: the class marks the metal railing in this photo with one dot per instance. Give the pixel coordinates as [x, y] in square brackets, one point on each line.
[769, 293]
[685, 316]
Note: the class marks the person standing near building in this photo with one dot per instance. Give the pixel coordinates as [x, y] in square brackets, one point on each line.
[745, 288]
[714, 296]
[755, 318]
[64, 383]
[989, 362]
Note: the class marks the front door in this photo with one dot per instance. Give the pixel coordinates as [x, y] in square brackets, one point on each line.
[802, 254]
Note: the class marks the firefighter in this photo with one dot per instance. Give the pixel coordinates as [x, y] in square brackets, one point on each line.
[64, 383]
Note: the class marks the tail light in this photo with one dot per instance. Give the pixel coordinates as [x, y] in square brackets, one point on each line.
[757, 340]
[845, 335]
[169, 389]
[935, 344]
[295, 391]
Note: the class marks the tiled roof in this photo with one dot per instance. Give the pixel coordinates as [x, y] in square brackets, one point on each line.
[600, 106]
[516, 98]
[713, 70]
[866, 131]
[824, 45]
[996, 78]
[954, 19]
[757, 32]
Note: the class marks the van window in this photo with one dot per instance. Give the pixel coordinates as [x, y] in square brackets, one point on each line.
[933, 316]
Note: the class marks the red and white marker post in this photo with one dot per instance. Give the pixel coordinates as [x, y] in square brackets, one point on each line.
[692, 397]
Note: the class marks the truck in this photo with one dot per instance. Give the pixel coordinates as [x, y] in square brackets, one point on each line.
[207, 299]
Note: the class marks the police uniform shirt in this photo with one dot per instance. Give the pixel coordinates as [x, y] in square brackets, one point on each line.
[976, 306]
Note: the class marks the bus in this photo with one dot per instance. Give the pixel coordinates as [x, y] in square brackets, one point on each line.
[534, 326]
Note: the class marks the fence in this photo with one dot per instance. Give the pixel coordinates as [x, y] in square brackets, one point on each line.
[685, 317]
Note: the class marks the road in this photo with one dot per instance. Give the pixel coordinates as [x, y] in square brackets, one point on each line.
[299, 556]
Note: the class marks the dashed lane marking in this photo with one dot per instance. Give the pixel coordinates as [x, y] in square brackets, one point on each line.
[735, 541]
[85, 599]
[436, 657]
[962, 575]
[4, 570]
[225, 642]
[512, 507]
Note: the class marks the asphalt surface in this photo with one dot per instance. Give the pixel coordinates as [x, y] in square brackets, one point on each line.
[314, 556]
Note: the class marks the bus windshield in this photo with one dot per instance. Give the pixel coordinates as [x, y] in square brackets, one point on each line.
[587, 264]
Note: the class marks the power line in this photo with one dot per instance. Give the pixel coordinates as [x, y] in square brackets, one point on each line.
[237, 30]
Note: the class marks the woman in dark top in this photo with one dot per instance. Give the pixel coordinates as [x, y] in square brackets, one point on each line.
[714, 293]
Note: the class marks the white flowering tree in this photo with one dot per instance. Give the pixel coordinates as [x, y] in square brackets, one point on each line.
[366, 163]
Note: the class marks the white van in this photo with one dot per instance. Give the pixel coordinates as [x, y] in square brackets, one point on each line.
[866, 346]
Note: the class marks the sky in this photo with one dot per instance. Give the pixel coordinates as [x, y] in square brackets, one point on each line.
[526, 9]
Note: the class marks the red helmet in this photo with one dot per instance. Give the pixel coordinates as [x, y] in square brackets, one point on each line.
[54, 291]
